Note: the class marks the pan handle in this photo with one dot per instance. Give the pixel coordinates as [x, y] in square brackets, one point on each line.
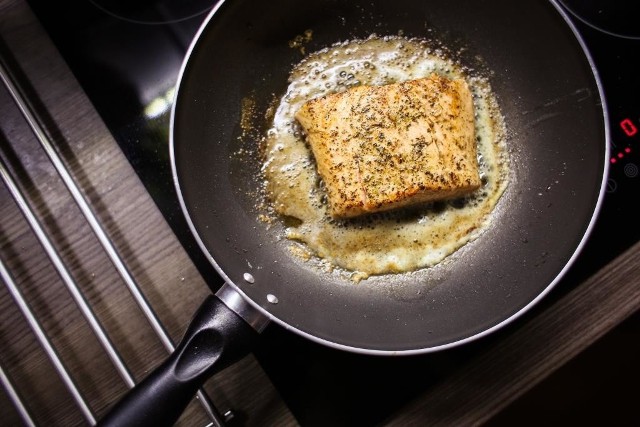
[221, 332]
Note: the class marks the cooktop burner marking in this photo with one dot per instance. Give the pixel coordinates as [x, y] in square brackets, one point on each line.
[153, 12]
[618, 18]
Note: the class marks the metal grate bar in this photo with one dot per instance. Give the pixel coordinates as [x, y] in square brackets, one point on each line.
[88, 213]
[44, 342]
[11, 391]
[69, 282]
[104, 240]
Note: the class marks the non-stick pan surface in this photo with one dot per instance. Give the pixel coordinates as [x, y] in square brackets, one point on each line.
[557, 139]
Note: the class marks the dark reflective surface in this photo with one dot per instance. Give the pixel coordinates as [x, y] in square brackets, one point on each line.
[153, 11]
[616, 17]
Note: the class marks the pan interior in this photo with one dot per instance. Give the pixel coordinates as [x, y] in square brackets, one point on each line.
[549, 96]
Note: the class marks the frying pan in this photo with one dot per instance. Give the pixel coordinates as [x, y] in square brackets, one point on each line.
[551, 99]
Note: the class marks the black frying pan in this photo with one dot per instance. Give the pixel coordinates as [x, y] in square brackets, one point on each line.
[551, 99]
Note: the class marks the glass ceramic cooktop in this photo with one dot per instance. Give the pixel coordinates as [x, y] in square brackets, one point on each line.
[126, 56]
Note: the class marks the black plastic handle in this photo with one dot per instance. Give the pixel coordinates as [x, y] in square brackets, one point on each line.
[216, 338]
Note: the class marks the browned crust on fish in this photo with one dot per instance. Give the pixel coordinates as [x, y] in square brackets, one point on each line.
[382, 147]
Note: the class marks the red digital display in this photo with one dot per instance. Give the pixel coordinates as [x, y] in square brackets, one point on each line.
[628, 127]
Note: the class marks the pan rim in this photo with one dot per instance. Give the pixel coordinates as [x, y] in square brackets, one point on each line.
[407, 352]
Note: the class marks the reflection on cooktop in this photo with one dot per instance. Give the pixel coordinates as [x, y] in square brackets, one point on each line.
[617, 17]
[150, 12]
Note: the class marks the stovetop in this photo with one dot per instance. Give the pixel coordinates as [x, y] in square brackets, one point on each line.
[126, 56]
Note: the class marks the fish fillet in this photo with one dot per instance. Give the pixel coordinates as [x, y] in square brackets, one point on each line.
[382, 147]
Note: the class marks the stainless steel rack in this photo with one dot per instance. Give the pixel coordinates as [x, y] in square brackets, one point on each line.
[29, 213]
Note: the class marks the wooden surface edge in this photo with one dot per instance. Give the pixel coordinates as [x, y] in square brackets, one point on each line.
[506, 371]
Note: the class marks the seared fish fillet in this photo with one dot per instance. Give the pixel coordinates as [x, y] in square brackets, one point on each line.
[382, 147]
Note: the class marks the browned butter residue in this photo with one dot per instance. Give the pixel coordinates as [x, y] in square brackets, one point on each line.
[299, 41]
[247, 115]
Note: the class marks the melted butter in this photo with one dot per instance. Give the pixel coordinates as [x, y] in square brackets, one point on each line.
[391, 242]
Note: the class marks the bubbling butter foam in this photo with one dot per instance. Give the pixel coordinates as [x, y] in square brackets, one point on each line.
[396, 241]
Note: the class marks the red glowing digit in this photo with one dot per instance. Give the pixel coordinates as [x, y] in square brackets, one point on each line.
[628, 127]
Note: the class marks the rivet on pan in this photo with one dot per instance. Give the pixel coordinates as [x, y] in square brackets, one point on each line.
[248, 278]
[272, 298]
